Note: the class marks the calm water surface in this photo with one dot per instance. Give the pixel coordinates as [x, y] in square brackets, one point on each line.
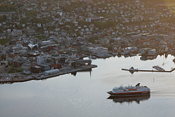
[85, 95]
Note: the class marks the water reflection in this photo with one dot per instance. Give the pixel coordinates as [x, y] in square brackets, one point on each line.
[87, 70]
[132, 99]
[74, 73]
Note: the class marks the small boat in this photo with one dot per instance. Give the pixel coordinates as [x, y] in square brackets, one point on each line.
[130, 91]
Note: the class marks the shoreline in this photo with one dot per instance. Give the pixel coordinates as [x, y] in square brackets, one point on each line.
[23, 78]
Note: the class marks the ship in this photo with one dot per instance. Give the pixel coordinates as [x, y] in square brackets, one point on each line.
[130, 91]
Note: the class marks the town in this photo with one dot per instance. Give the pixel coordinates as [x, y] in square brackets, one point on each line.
[41, 39]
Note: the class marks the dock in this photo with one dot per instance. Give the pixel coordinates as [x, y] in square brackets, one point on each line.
[137, 70]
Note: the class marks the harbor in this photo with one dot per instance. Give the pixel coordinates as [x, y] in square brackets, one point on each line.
[85, 93]
[87, 58]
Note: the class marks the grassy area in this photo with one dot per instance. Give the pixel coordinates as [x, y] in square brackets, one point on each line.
[104, 25]
[24, 20]
[13, 69]
[31, 13]
[4, 41]
[2, 18]
[41, 37]
[73, 6]
[93, 39]
[41, 20]
[7, 8]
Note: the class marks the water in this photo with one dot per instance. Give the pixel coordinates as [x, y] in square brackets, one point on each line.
[85, 95]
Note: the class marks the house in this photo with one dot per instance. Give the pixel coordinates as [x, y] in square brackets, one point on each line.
[36, 69]
[56, 66]
[33, 54]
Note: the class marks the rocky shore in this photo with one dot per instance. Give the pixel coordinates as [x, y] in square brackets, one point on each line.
[41, 39]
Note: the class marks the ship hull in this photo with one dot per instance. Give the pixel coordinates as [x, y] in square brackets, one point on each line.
[129, 94]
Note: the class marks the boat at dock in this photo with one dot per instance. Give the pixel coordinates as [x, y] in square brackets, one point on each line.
[130, 91]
